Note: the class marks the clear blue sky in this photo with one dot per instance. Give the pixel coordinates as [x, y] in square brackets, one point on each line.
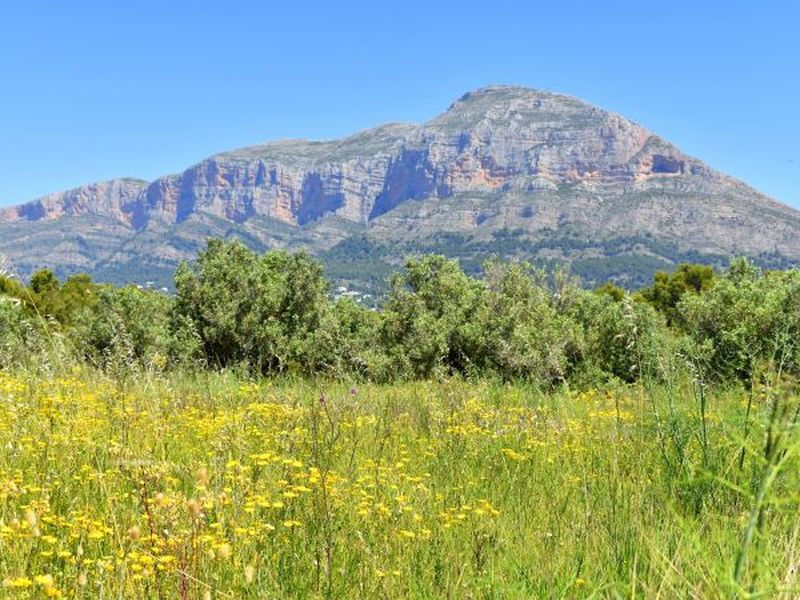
[95, 90]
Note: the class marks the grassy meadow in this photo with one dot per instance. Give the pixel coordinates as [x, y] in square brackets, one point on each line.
[213, 486]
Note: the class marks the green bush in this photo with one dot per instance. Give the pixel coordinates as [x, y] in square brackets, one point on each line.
[746, 318]
[668, 288]
[26, 341]
[430, 319]
[124, 324]
[347, 344]
[622, 339]
[261, 311]
[272, 313]
[526, 332]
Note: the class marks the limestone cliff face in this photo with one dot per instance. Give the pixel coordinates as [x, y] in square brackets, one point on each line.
[499, 158]
[113, 198]
[488, 139]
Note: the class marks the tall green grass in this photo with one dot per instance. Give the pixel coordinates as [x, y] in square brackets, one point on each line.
[212, 485]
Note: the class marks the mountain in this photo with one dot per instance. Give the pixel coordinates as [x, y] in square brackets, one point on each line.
[508, 170]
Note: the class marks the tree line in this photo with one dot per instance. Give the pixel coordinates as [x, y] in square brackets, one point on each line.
[273, 313]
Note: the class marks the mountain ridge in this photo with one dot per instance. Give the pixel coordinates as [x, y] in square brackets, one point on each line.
[545, 166]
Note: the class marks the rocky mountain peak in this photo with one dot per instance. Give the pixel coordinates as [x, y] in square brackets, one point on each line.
[500, 158]
[490, 138]
[495, 104]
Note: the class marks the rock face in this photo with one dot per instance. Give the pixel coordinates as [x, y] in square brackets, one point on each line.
[545, 167]
[109, 198]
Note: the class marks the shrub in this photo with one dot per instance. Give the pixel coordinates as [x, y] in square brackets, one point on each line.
[262, 311]
[746, 318]
[622, 339]
[124, 324]
[525, 333]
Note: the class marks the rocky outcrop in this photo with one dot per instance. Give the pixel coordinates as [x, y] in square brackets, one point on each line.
[116, 198]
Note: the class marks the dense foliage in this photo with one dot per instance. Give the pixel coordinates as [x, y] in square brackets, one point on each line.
[275, 313]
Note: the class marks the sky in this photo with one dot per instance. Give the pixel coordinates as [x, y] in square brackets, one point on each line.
[95, 90]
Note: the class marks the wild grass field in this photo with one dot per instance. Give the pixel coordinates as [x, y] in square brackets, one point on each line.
[509, 436]
[217, 486]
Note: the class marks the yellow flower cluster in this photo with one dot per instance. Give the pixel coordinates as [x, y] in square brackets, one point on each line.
[165, 490]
